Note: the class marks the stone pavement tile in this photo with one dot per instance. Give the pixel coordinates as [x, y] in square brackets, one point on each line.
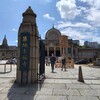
[6, 79]
[18, 90]
[4, 91]
[65, 92]
[59, 92]
[45, 91]
[75, 81]
[1, 88]
[6, 84]
[43, 97]
[57, 85]
[97, 87]
[20, 97]
[13, 90]
[82, 98]
[95, 81]
[88, 81]
[78, 86]
[3, 96]
[49, 81]
[48, 86]
[89, 92]
[62, 81]
[33, 91]
[98, 92]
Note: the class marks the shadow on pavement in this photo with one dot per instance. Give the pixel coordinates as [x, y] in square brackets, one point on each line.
[24, 92]
[5, 72]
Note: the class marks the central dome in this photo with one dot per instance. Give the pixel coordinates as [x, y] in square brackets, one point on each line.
[52, 34]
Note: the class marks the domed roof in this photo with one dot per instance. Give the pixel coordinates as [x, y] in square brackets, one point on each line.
[29, 11]
[53, 31]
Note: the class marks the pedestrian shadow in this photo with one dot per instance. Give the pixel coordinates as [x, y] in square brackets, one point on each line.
[23, 91]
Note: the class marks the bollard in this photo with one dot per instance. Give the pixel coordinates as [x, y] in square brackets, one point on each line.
[80, 75]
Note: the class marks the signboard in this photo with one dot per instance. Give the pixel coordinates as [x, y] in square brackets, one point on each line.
[25, 51]
[64, 41]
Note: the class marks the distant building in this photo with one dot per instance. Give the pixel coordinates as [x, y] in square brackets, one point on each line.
[89, 53]
[76, 42]
[6, 51]
[86, 43]
[91, 44]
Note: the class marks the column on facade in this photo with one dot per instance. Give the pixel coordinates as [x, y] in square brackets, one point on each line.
[47, 51]
[60, 51]
[72, 50]
[66, 52]
[63, 51]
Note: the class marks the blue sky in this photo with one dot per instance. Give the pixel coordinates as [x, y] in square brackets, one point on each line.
[78, 19]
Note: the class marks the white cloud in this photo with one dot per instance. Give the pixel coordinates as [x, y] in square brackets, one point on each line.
[74, 34]
[93, 15]
[47, 16]
[16, 41]
[65, 24]
[78, 35]
[67, 9]
[72, 31]
[93, 3]
[88, 22]
[96, 39]
[14, 30]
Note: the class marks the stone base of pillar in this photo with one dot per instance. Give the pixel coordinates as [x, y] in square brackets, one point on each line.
[26, 78]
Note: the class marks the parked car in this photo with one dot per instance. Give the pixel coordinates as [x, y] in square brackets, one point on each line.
[82, 61]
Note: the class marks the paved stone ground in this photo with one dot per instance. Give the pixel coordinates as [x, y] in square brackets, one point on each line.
[60, 85]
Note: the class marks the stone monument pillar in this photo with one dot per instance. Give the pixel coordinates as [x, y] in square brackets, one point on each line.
[28, 49]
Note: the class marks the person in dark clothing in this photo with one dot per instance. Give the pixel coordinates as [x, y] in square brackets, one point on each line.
[63, 63]
[52, 60]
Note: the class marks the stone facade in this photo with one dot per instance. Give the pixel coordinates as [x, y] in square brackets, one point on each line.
[6, 51]
[89, 53]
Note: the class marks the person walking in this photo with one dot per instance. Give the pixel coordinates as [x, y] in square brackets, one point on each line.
[52, 60]
[63, 63]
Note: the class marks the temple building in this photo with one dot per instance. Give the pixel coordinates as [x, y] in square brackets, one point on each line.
[6, 51]
[59, 44]
[55, 43]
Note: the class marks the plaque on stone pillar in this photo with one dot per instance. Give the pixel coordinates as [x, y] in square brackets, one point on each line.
[25, 52]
